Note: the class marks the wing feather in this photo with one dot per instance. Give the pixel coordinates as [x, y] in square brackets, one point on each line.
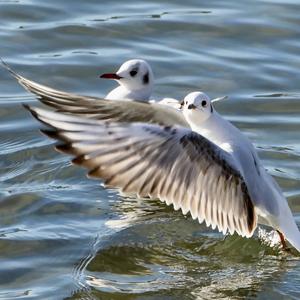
[99, 108]
[176, 165]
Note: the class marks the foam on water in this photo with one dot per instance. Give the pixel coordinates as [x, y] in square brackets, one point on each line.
[270, 238]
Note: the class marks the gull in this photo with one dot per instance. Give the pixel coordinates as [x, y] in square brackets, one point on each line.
[209, 169]
[99, 108]
[135, 79]
[164, 112]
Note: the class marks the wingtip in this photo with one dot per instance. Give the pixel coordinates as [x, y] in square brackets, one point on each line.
[219, 99]
[51, 133]
[36, 115]
[26, 106]
[3, 62]
[95, 173]
[9, 69]
[31, 110]
[79, 159]
[65, 147]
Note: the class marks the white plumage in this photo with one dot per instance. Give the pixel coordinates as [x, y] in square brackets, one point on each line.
[204, 165]
[210, 170]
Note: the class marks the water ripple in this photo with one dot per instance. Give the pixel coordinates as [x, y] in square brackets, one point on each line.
[64, 236]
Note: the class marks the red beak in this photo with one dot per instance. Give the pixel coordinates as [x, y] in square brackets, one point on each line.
[110, 76]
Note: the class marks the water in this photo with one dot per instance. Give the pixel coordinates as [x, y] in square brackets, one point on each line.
[63, 236]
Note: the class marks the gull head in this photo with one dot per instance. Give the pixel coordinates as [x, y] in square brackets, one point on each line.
[134, 75]
[197, 107]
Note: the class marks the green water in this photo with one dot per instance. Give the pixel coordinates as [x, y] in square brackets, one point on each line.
[63, 236]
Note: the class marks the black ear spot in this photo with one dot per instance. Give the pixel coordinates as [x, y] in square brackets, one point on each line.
[146, 78]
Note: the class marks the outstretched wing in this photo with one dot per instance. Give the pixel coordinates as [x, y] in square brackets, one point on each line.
[99, 108]
[174, 164]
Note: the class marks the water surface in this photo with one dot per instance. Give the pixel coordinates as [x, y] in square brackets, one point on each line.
[63, 236]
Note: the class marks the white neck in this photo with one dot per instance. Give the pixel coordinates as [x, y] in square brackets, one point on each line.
[216, 129]
[122, 93]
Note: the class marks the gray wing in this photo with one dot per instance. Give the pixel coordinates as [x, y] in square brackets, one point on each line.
[99, 108]
[174, 164]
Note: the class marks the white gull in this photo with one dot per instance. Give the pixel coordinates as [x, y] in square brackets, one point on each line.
[210, 169]
[135, 79]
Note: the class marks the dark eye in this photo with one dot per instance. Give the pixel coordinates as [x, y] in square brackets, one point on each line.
[133, 72]
[204, 103]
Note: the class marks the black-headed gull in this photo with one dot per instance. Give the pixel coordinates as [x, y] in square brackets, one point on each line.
[210, 170]
[163, 112]
[135, 79]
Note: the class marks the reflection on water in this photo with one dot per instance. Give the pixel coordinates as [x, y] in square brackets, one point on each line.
[64, 236]
[194, 265]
